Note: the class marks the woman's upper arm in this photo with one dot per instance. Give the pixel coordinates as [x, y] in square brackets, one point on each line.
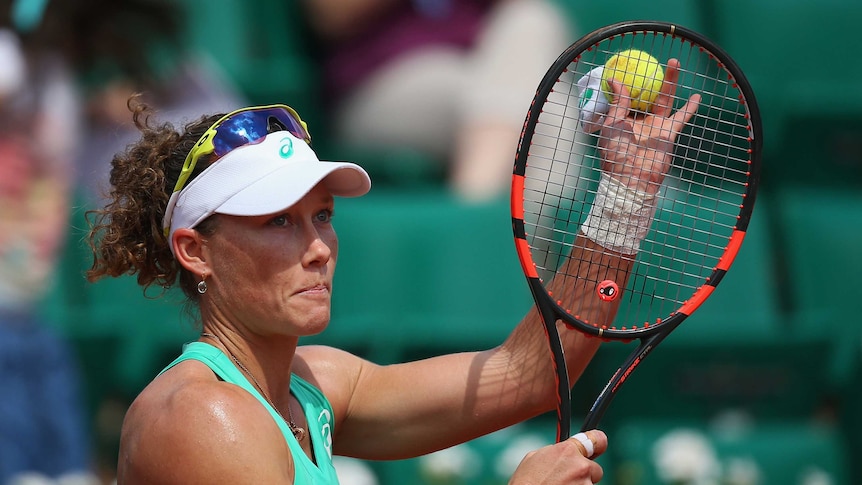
[404, 410]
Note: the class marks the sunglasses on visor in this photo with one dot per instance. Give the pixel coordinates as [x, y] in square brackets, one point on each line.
[242, 127]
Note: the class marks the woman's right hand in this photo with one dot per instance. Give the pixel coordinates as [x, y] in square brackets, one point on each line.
[562, 463]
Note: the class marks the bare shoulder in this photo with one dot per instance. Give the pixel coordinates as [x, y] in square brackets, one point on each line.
[335, 372]
[312, 360]
[328, 368]
[187, 416]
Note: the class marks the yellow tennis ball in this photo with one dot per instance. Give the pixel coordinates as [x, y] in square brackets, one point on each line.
[640, 72]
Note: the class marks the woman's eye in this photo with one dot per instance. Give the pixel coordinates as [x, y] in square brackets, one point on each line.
[279, 221]
[324, 216]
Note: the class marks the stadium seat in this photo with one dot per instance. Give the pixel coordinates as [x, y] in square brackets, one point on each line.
[745, 305]
[420, 272]
[143, 331]
[701, 380]
[262, 48]
[585, 17]
[151, 330]
[820, 231]
[648, 452]
[851, 419]
[798, 55]
[389, 167]
[736, 351]
[803, 72]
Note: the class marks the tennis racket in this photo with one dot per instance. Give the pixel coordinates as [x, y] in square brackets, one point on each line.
[692, 164]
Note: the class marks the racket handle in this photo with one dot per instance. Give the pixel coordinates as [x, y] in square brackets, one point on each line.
[561, 372]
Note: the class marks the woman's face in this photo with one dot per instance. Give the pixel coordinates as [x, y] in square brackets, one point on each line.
[273, 274]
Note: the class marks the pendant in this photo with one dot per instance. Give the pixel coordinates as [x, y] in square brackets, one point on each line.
[298, 433]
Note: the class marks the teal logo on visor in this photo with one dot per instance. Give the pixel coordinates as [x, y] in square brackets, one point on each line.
[286, 150]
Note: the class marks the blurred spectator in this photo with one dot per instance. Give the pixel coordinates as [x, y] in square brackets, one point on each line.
[68, 68]
[450, 78]
[42, 427]
[118, 48]
[192, 87]
[99, 41]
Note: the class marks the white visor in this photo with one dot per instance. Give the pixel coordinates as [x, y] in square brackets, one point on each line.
[261, 178]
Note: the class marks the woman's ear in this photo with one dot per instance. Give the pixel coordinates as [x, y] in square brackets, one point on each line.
[189, 249]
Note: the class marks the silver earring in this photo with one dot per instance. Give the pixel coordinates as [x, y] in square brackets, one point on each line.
[202, 287]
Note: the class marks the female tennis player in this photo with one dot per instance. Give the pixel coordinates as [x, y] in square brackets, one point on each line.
[237, 211]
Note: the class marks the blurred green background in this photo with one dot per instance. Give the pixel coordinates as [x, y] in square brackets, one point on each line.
[760, 386]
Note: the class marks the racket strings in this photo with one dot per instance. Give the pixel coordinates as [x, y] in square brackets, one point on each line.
[697, 205]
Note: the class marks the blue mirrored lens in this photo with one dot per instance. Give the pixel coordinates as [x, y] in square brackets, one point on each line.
[250, 126]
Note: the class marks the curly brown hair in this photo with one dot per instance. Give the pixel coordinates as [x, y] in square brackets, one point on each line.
[126, 236]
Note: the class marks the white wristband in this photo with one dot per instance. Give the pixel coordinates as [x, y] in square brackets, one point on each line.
[620, 216]
[585, 440]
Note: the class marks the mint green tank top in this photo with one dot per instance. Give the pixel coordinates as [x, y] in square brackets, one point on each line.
[315, 406]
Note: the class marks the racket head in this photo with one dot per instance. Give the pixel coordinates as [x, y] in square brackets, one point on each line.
[703, 207]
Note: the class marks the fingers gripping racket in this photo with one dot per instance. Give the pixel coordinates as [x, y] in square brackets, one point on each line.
[623, 232]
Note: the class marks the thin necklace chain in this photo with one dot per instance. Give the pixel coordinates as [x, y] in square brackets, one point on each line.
[298, 431]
